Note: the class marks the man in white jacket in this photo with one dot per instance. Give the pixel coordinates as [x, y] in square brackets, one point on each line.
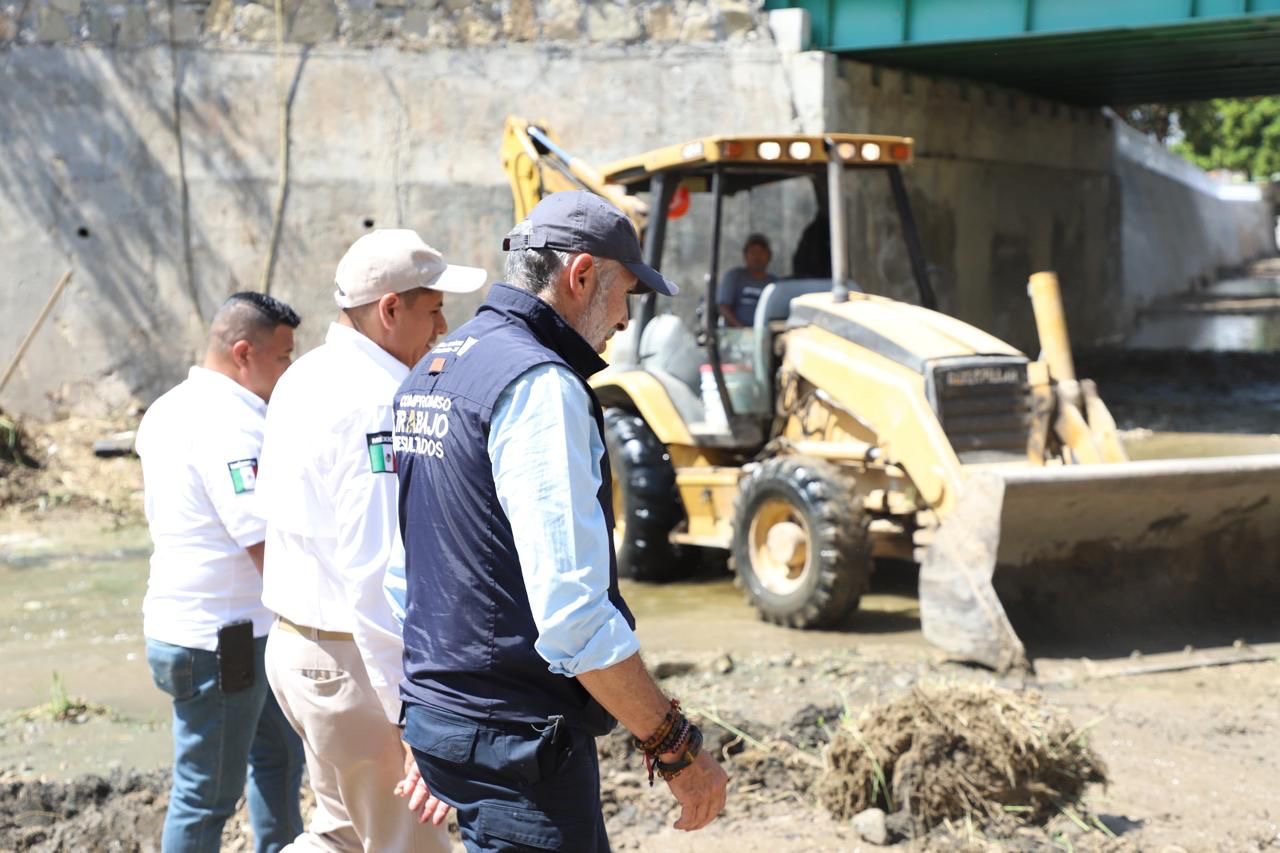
[329, 493]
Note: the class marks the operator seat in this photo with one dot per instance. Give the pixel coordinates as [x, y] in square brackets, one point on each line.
[670, 353]
[775, 304]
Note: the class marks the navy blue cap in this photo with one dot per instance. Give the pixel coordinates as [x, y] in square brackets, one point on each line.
[579, 221]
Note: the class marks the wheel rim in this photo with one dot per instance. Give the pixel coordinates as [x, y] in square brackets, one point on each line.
[779, 542]
[619, 518]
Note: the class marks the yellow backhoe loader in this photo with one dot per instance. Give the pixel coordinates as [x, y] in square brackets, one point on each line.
[842, 426]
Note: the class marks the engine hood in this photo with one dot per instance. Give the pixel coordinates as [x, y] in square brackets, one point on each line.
[907, 334]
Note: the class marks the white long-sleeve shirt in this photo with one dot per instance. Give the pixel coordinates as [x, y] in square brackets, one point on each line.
[328, 493]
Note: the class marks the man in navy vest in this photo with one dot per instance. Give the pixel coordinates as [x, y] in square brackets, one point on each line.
[519, 649]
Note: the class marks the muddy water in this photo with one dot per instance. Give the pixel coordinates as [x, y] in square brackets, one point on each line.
[707, 616]
[1142, 444]
[70, 601]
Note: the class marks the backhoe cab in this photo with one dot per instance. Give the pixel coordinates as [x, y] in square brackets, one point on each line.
[842, 426]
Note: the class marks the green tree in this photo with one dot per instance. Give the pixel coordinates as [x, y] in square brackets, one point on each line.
[1158, 120]
[1241, 134]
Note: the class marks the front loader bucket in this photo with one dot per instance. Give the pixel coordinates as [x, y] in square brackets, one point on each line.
[1098, 552]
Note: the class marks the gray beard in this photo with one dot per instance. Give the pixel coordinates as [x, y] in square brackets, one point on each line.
[594, 325]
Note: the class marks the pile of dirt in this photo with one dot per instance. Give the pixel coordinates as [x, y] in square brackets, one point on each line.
[120, 812]
[993, 756]
[18, 469]
[45, 466]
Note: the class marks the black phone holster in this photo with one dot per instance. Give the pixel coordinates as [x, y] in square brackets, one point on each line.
[236, 658]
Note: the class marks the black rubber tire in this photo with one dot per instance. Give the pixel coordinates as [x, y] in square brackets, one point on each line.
[838, 564]
[651, 508]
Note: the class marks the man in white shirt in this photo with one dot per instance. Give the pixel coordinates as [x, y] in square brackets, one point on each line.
[330, 493]
[199, 445]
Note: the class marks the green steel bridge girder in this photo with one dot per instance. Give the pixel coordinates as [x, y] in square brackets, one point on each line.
[1079, 51]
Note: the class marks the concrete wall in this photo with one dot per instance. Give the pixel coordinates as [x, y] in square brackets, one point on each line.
[1003, 185]
[141, 147]
[1179, 227]
[1006, 184]
[408, 24]
[88, 181]
[92, 178]
[145, 155]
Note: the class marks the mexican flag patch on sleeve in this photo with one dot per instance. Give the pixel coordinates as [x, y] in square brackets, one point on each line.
[382, 456]
[244, 475]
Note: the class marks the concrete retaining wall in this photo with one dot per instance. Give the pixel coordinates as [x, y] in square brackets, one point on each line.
[1180, 228]
[150, 167]
[92, 178]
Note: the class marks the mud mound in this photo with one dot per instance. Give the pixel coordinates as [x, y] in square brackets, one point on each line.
[18, 470]
[946, 753]
[1187, 391]
[121, 812]
[51, 465]
[13, 443]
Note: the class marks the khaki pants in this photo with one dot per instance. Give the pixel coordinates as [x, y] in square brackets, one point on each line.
[354, 754]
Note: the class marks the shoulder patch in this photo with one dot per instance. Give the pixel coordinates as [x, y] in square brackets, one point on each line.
[244, 475]
[382, 456]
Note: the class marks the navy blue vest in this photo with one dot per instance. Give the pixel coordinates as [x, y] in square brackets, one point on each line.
[469, 631]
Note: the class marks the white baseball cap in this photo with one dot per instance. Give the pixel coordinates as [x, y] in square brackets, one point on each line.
[393, 260]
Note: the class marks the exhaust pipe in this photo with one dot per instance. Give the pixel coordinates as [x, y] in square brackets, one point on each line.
[835, 219]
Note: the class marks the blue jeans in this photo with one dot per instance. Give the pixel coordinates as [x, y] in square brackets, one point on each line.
[217, 737]
[515, 787]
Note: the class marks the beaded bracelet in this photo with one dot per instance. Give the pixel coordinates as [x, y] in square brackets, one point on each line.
[669, 770]
[669, 722]
[674, 737]
[674, 731]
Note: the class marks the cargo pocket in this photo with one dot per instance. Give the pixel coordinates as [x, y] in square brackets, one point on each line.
[524, 758]
[534, 828]
[439, 735]
[537, 758]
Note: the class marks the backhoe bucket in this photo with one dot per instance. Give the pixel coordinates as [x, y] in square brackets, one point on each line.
[1174, 551]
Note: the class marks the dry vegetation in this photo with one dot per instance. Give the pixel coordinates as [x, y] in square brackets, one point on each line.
[44, 466]
[977, 753]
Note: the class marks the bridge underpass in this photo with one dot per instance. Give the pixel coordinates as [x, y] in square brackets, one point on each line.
[1088, 52]
[1019, 167]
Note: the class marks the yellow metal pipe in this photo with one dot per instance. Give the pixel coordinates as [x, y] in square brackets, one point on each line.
[1051, 325]
[1102, 425]
[1074, 432]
